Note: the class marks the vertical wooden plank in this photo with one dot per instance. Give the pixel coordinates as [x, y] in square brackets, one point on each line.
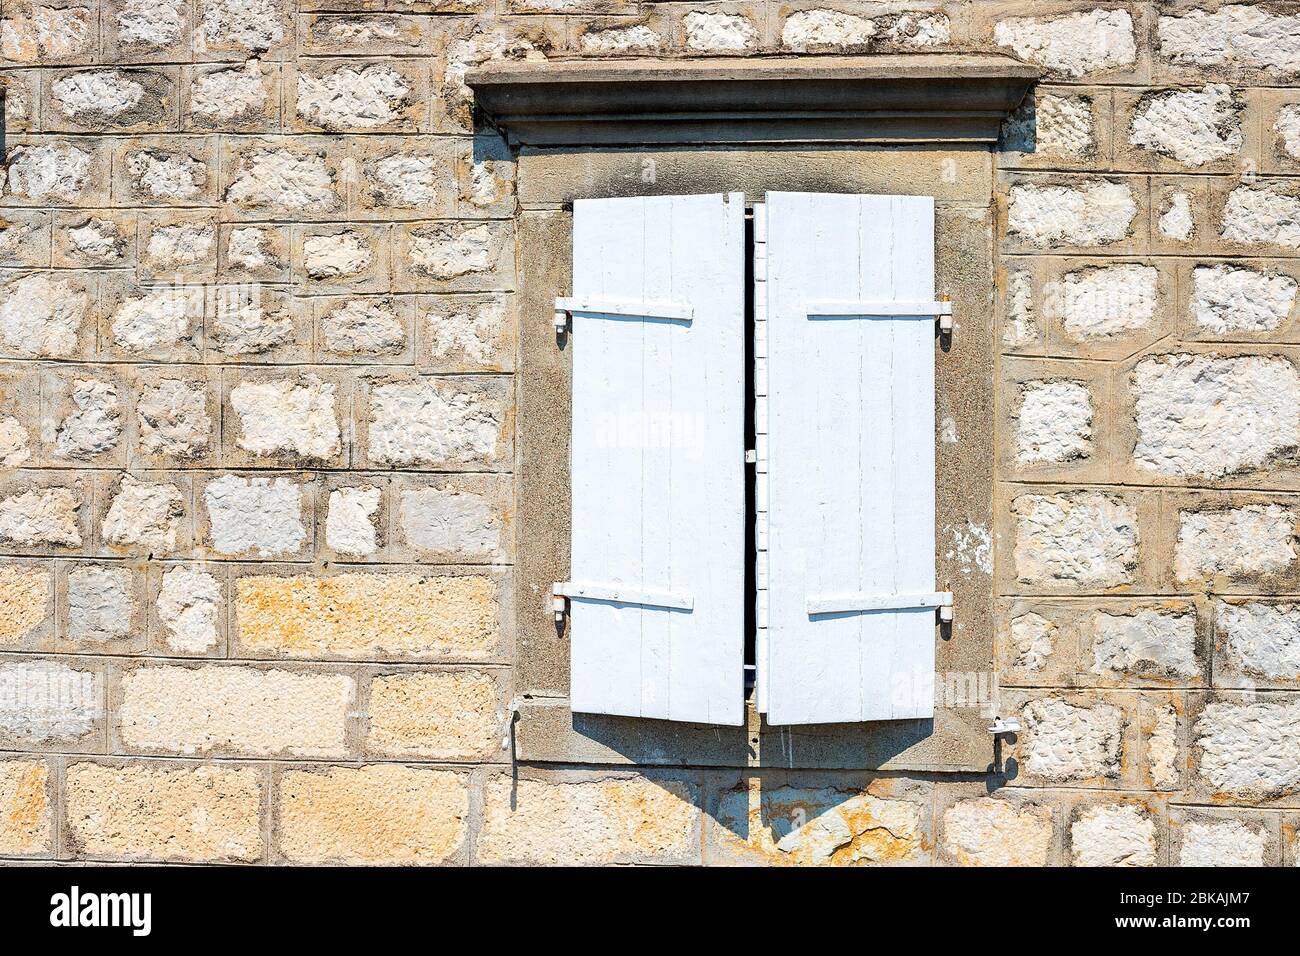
[851, 471]
[665, 510]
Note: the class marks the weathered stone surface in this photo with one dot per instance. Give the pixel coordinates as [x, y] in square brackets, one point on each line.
[287, 415]
[350, 521]
[148, 811]
[807, 30]
[247, 324]
[282, 179]
[41, 516]
[230, 96]
[242, 25]
[381, 814]
[1261, 216]
[15, 442]
[47, 34]
[157, 318]
[95, 423]
[1250, 750]
[101, 603]
[447, 250]
[1105, 301]
[1287, 129]
[1055, 422]
[160, 174]
[638, 38]
[1242, 35]
[359, 614]
[433, 421]
[173, 419]
[261, 516]
[41, 316]
[1229, 843]
[1073, 45]
[588, 823]
[1194, 127]
[450, 521]
[1231, 299]
[1207, 416]
[1065, 742]
[468, 332]
[145, 513]
[1021, 327]
[1048, 125]
[985, 831]
[48, 703]
[99, 240]
[708, 32]
[179, 245]
[1162, 749]
[1033, 637]
[250, 250]
[445, 715]
[1095, 213]
[1252, 540]
[150, 24]
[49, 172]
[1084, 537]
[219, 709]
[337, 255]
[24, 601]
[111, 99]
[1176, 221]
[189, 610]
[363, 327]
[403, 180]
[26, 813]
[1114, 834]
[819, 826]
[1146, 642]
[1262, 639]
[354, 97]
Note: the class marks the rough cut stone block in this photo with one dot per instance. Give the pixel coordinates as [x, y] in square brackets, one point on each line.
[1105, 301]
[1076, 44]
[357, 615]
[381, 814]
[590, 823]
[26, 603]
[1148, 642]
[150, 811]
[216, 709]
[26, 810]
[256, 516]
[1250, 750]
[442, 715]
[986, 831]
[1208, 416]
[1239, 36]
[709, 32]
[1260, 641]
[460, 423]
[1064, 742]
[820, 826]
[1228, 299]
[1055, 422]
[1086, 538]
[110, 99]
[47, 33]
[1250, 541]
[1094, 213]
[48, 703]
[1113, 834]
[1193, 127]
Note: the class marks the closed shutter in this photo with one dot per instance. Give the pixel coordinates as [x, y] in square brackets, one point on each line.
[849, 468]
[657, 564]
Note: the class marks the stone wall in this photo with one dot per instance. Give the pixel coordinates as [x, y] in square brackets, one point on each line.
[256, 431]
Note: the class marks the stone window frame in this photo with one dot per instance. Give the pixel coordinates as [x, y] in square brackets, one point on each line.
[921, 124]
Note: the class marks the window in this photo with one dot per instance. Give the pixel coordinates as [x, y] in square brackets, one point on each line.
[838, 294]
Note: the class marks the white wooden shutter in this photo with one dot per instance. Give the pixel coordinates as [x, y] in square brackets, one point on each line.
[851, 623]
[657, 574]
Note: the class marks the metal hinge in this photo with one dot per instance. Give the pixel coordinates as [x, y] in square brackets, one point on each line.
[565, 306]
[862, 601]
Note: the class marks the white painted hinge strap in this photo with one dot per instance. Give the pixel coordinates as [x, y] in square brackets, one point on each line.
[595, 305]
[623, 594]
[839, 603]
[844, 307]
